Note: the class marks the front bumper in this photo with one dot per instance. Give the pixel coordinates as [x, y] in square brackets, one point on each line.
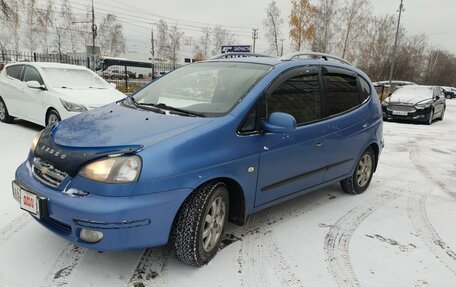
[128, 222]
[420, 115]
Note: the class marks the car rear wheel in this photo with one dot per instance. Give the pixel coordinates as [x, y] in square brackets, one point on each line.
[4, 115]
[200, 224]
[361, 178]
[431, 117]
[52, 117]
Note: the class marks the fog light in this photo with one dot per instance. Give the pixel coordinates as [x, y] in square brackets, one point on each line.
[90, 235]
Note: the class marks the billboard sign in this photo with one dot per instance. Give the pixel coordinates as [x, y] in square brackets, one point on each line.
[236, 49]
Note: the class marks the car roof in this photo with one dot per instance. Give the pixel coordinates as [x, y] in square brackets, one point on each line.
[49, 65]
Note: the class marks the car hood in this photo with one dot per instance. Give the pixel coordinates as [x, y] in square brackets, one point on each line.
[118, 125]
[90, 98]
[408, 99]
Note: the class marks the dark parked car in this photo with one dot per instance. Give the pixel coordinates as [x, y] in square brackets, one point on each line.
[416, 103]
[207, 143]
[450, 93]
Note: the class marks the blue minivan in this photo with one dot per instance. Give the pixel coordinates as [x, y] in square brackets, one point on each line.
[208, 143]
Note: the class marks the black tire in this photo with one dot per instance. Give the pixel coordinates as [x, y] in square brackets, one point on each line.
[442, 115]
[4, 115]
[355, 184]
[187, 234]
[52, 117]
[431, 116]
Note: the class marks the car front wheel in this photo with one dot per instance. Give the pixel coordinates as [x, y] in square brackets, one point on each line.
[4, 115]
[431, 117]
[200, 224]
[52, 117]
[362, 176]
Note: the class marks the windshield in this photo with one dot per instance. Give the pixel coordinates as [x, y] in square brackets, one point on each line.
[74, 79]
[207, 88]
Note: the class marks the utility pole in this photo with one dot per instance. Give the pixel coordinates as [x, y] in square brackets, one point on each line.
[94, 34]
[281, 49]
[254, 37]
[393, 56]
[152, 51]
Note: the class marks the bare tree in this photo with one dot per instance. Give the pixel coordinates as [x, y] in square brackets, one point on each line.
[272, 25]
[175, 37]
[32, 24]
[326, 26]
[374, 55]
[10, 18]
[302, 22]
[112, 40]
[220, 37]
[66, 30]
[202, 47]
[45, 20]
[163, 44]
[355, 17]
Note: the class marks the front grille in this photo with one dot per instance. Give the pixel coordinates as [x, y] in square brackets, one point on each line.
[401, 108]
[47, 173]
[49, 221]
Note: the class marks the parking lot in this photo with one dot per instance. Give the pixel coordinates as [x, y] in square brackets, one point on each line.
[400, 232]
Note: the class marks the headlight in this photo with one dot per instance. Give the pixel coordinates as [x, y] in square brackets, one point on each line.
[123, 169]
[423, 106]
[384, 104]
[35, 141]
[72, 107]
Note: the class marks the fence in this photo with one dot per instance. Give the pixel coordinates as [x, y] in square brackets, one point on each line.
[127, 79]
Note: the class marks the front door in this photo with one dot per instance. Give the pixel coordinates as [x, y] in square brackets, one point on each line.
[292, 162]
[33, 100]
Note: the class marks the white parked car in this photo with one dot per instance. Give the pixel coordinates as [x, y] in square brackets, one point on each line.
[45, 93]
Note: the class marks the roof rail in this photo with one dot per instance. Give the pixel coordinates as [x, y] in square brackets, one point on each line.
[237, 55]
[324, 56]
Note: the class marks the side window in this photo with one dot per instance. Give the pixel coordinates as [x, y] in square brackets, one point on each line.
[14, 71]
[343, 93]
[31, 74]
[299, 97]
[250, 123]
[365, 89]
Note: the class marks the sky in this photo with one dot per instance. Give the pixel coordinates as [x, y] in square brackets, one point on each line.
[436, 19]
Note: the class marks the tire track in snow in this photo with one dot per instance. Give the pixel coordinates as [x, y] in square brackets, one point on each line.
[337, 240]
[258, 244]
[423, 227]
[16, 225]
[152, 268]
[414, 156]
[63, 267]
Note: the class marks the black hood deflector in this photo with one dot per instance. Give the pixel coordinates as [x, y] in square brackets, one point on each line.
[71, 159]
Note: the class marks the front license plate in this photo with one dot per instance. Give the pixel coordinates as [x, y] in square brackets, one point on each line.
[400, 113]
[29, 202]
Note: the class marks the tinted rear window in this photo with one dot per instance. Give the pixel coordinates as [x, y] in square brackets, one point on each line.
[343, 93]
[14, 71]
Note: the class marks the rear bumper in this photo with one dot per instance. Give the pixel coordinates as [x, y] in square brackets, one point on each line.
[128, 222]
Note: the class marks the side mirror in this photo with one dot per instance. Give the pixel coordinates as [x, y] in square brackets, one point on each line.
[280, 123]
[35, 85]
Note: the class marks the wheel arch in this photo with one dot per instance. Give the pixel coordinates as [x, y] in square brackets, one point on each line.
[48, 110]
[376, 150]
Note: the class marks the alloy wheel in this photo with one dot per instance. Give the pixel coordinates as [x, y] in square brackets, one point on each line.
[213, 224]
[52, 119]
[364, 170]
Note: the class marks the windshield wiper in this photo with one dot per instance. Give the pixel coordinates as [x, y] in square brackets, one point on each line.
[146, 106]
[178, 110]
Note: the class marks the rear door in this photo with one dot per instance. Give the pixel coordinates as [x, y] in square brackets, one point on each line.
[291, 162]
[348, 120]
[12, 88]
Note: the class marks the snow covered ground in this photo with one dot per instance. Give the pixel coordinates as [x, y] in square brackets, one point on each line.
[401, 232]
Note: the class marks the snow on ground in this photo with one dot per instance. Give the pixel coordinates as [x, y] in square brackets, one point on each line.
[401, 232]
